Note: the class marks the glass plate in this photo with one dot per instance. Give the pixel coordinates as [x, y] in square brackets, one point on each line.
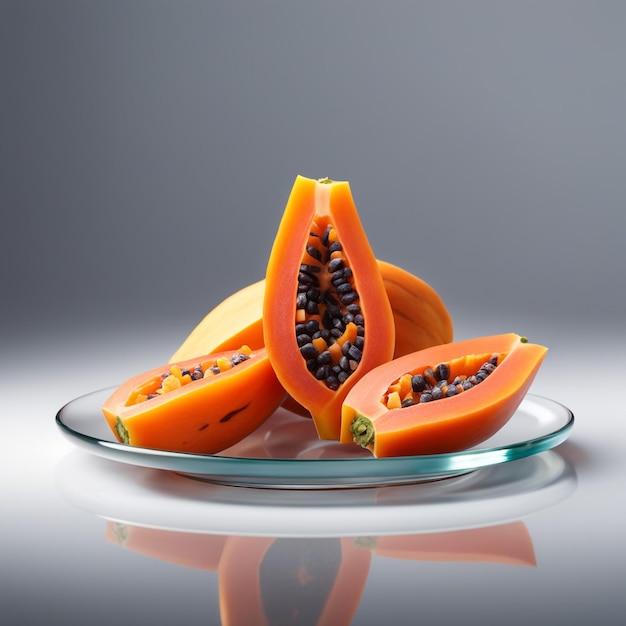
[151, 498]
[286, 453]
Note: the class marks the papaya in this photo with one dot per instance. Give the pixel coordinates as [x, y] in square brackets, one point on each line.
[420, 316]
[442, 399]
[326, 315]
[198, 405]
[291, 580]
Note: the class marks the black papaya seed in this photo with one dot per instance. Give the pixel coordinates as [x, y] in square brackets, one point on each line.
[325, 357]
[303, 340]
[349, 297]
[308, 351]
[332, 382]
[311, 327]
[442, 371]
[344, 288]
[322, 372]
[314, 252]
[418, 383]
[335, 264]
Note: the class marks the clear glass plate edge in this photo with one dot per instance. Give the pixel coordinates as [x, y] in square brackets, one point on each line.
[322, 473]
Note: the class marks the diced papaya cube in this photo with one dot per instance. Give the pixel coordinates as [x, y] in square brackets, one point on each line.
[393, 400]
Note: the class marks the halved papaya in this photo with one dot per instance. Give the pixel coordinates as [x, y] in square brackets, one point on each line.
[326, 315]
[442, 399]
[420, 316]
[199, 405]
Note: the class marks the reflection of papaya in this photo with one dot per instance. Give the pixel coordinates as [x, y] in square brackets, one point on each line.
[196, 550]
[291, 580]
[507, 544]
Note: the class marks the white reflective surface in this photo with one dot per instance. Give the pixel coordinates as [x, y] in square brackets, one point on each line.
[548, 527]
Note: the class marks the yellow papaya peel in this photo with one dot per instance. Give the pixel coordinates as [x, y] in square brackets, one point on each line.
[420, 316]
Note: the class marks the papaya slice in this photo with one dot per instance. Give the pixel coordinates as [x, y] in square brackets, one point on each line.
[420, 316]
[326, 315]
[199, 405]
[443, 399]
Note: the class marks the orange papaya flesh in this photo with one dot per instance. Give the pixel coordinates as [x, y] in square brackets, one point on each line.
[373, 418]
[323, 282]
[420, 316]
[198, 405]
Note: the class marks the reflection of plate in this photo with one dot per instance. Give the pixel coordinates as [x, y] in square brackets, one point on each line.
[286, 453]
[146, 497]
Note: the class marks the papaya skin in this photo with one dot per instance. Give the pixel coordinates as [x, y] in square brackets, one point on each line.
[203, 416]
[235, 321]
[446, 425]
[420, 316]
[322, 202]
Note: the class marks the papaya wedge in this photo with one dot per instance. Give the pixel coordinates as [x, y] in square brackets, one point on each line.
[420, 316]
[326, 315]
[196, 405]
[443, 399]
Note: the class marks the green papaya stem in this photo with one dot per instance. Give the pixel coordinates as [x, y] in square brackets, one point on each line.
[121, 430]
[325, 181]
[362, 429]
[523, 339]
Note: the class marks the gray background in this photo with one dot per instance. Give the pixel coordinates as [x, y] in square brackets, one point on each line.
[148, 148]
